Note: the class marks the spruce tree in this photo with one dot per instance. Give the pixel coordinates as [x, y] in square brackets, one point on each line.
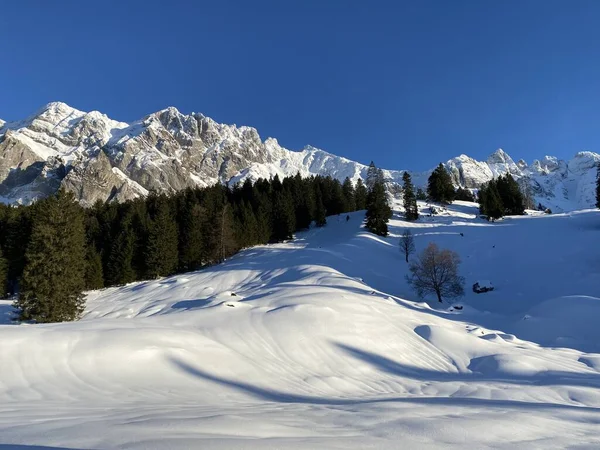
[320, 212]
[54, 274]
[119, 265]
[94, 273]
[305, 204]
[226, 245]
[372, 175]
[464, 195]
[510, 194]
[439, 186]
[18, 232]
[411, 212]
[191, 250]
[378, 210]
[349, 200]
[360, 195]
[421, 195]
[284, 220]
[490, 202]
[161, 247]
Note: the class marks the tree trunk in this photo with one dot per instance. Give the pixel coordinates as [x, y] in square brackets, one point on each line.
[406, 254]
[438, 296]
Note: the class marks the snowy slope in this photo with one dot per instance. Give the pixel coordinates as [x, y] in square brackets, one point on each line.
[168, 151]
[323, 346]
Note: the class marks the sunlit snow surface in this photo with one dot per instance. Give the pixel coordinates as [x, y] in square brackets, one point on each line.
[320, 348]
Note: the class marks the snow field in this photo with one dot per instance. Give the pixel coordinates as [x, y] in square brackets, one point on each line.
[316, 344]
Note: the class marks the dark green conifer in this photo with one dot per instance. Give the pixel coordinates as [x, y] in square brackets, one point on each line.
[360, 195]
[54, 274]
[411, 211]
[378, 210]
[320, 212]
[161, 247]
[439, 186]
[349, 195]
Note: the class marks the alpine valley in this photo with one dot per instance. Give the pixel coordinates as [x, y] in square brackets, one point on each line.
[102, 159]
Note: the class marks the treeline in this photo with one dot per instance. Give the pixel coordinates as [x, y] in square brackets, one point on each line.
[54, 249]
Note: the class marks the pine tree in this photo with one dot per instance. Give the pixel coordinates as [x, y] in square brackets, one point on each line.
[349, 200]
[378, 210]
[54, 274]
[161, 247]
[439, 186]
[360, 195]
[411, 212]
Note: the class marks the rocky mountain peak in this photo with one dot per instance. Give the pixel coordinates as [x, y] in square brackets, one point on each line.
[102, 159]
[499, 157]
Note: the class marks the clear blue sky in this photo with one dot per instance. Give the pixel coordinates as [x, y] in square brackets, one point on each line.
[406, 83]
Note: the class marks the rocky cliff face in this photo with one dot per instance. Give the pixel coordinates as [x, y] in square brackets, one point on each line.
[102, 159]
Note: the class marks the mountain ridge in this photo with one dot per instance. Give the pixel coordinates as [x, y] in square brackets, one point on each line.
[99, 158]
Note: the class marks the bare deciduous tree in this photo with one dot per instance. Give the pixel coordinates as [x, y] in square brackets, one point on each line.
[407, 243]
[436, 272]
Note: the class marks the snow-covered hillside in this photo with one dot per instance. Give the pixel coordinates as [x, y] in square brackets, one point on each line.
[102, 159]
[319, 343]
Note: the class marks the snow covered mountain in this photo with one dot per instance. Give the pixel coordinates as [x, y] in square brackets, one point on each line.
[102, 159]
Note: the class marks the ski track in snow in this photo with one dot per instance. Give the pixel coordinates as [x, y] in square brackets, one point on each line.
[315, 344]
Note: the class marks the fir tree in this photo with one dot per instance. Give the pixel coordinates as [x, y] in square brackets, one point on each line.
[411, 212]
[439, 186]
[360, 195]
[161, 247]
[54, 273]
[378, 210]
